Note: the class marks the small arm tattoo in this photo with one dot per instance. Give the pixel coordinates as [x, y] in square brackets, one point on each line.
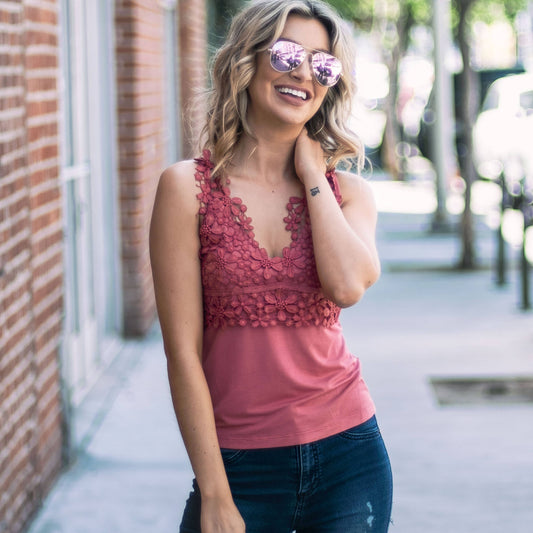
[314, 191]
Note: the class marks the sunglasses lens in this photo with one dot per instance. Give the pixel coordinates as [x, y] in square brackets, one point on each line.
[286, 56]
[327, 69]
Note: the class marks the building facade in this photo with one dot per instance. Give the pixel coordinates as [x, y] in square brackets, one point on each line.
[91, 94]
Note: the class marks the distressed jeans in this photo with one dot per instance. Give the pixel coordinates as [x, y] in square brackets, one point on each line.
[340, 484]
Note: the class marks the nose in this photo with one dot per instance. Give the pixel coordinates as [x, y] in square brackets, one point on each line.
[303, 72]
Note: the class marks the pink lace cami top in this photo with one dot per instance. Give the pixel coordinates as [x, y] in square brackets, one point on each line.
[274, 355]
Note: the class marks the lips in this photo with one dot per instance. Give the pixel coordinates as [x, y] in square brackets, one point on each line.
[302, 94]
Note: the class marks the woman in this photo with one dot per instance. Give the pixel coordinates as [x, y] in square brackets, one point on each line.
[255, 247]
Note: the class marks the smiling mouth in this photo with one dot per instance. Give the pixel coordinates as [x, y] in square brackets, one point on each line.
[293, 92]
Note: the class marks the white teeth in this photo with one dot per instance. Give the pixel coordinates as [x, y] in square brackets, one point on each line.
[294, 92]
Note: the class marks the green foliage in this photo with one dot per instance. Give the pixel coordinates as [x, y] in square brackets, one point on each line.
[487, 11]
[360, 11]
[420, 10]
[493, 10]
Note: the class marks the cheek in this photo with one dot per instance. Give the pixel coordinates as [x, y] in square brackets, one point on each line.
[320, 106]
[260, 81]
[263, 70]
[321, 94]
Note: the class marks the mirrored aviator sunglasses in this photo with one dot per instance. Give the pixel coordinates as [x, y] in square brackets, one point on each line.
[286, 56]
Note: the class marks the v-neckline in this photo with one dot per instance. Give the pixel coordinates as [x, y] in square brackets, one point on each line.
[290, 215]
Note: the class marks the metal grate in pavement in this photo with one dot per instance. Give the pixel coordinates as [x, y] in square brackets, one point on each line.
[482, 390]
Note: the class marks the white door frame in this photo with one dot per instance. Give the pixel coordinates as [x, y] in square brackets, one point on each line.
[92, 324]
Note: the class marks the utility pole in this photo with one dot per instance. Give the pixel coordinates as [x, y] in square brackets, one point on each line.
[443, 138]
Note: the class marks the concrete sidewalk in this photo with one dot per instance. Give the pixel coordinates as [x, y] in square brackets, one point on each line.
[464, 468]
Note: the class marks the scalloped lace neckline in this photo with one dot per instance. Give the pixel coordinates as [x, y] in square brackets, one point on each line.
[290, 219]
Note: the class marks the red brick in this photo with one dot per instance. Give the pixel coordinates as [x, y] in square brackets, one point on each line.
[31, 223]
[41, 84]
[41, 15]
[140, 99]
[42, 130]
[40, 61]
[29, 204]
[42, 108]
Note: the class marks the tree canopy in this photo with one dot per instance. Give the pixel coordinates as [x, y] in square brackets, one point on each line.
[363, 12]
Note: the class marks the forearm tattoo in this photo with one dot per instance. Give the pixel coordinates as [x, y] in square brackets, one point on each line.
[314, 191]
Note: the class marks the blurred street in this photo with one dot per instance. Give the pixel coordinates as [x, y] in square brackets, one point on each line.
[460, 468]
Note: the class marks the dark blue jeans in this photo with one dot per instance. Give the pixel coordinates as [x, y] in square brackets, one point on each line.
[341, 484]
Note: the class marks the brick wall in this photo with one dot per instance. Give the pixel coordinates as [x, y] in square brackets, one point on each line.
[193, 70]
[140, 108]
[140, 50]
[31, 262]
[31, 274]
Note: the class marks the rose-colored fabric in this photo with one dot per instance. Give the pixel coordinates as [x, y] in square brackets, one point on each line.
[274, 355]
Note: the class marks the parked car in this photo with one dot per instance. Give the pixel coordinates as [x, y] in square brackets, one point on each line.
[503, 131]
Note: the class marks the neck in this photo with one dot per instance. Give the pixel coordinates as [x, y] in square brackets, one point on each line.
[269, 157]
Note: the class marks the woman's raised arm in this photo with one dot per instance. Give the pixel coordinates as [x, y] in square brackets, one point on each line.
[343, 236]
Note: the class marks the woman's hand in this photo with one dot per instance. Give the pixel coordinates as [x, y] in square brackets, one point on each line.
[221, 516]
[309, 158]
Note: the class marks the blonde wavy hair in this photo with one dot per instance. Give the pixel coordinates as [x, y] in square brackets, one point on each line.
[253, 30]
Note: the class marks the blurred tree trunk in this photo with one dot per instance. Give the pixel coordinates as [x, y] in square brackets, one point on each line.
[392, 133]
[394, 24]
[467, 107]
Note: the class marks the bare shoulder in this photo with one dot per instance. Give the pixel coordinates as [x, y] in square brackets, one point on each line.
[355, 189]
[177, 184]
[176, 205]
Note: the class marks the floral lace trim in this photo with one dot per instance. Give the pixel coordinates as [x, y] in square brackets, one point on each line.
[242, 285]
[270, 308]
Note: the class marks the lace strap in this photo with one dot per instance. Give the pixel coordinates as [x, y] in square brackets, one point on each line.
[203, 178]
